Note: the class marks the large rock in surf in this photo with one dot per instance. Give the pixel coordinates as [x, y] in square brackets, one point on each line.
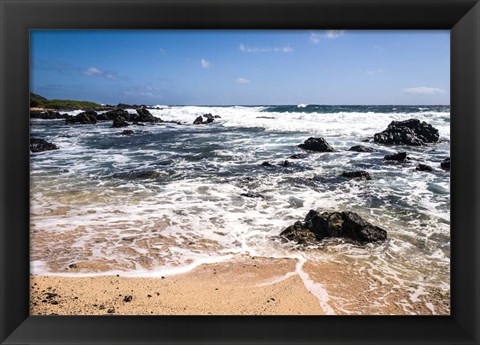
[138, 175]
[361, 148]
[86, 118]
[46, 114]
[316, 144]
[409, 132]
[424, 167]
[39, 145]
[144, 116]
[209, 118]
[318, 226]
[119, 122]
[445, 164]
[198, 121]
[115, 113]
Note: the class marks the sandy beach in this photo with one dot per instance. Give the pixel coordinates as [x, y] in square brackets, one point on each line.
[249, 286]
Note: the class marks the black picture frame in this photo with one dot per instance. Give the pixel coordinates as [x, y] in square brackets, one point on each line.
[461, 17]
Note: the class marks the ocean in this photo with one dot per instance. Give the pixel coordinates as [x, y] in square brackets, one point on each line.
[169, 197]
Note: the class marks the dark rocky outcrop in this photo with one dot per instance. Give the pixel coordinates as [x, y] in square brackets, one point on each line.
[217, 116]
[399, 157]
[445, 164]
[424, 167]
[285, 164]
[318, 226]
[86, 118]
[127, 132]
[144, 116]
[267, 164]
[46, 114]
[316, 144]
[115, 113]
[205, 119]
[361, 148]
[39, 145]
[359, 174]
[409, 132]
[119, 122]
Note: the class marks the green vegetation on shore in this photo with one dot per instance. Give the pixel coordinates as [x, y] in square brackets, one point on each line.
[37, 101]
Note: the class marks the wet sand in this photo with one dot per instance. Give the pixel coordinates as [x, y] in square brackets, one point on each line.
[250, 286]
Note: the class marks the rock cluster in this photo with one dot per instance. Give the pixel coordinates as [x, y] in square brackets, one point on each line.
[409, 132]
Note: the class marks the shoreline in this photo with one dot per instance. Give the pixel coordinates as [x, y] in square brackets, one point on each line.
[246, 286]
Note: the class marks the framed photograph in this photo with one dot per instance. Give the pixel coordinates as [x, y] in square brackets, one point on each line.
[248, 172]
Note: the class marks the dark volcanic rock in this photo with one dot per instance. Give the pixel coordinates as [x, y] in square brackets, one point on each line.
[46, 114]
[399, 157]
[127, 132]
[217, 116]
[267, 164]
[360, 174]
[119, 122]
[127, 298]
[445, 164]
[39, 145]
[285, 164]
[424, 167]
[116, 113]
[316, 144]
[144, 116]
[361, 148]
[198, 121]
[208, 116]
[409, 132]
[86, 118]
[318, 226]
[134, 175]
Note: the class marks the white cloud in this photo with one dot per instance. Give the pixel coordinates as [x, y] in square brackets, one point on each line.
[315, 37]
[205, 63]
[241, 80]
[374, 71]
[334, 33]
[246, 49]
[93, 71]
[423, 90]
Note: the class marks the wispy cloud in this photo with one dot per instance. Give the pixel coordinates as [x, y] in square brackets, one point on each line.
[423, 90]
[316, 37]
[205, 63]
[93, 71]
[334, 33]
[241, 80]
[246, 49]
[374, 71]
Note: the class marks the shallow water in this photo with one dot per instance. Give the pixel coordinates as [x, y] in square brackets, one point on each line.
[85, 212]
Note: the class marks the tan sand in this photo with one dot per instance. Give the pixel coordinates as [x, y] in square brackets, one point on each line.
[222, 289]
[246, 286]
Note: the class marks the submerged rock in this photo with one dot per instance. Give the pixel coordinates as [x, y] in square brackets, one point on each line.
[316, 144]
[399, 157]
[267, 164]
[298, 156]
[252, 195]
[134, 175]
[409, 132]
[318, 226]
[86, 118]
[445, 164]
[361, 148]
[127, 132]
[359, 174]
[285, 164]
[40, 145]
[424, 167]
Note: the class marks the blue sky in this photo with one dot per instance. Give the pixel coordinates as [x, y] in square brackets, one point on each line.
[242, 67]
